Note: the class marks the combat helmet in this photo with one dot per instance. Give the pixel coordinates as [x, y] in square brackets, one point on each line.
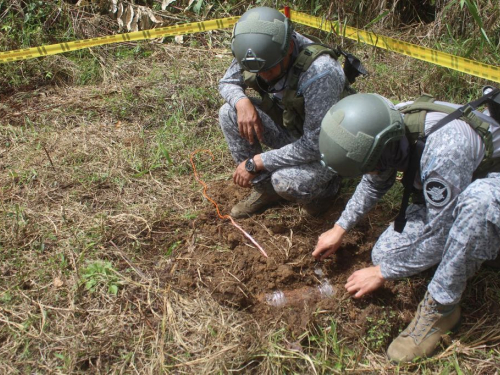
[355, 131]
[261, 39]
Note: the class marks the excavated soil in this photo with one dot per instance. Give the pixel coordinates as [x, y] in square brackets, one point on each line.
[217, 256]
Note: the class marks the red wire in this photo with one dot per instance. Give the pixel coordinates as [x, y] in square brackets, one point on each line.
[205, 187]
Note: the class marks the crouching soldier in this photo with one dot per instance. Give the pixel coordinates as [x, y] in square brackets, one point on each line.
[297, 82]
[448, 157]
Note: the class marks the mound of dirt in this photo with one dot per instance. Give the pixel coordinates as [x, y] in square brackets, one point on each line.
[217, 256]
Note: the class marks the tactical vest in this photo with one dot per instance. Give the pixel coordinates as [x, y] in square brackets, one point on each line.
[292, 115]
[414, 119]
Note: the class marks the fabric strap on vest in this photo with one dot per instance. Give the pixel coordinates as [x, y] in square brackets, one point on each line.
[417, 148]
[466, 114]
[466, 110]
[291, 113]
[409, 176]
[414, 121]
[304, 60]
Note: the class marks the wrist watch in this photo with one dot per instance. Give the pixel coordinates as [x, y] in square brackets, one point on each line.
[250, 166]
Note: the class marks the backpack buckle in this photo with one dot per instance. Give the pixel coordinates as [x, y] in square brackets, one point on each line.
[466, 109]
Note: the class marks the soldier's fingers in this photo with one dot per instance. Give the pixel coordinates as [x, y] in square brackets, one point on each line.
[250, 135]
[351, 288]
[241, 129]
[318, 250]
[359, 294]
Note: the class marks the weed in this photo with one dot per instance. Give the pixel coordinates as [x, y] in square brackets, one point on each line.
[392, 199]
[341, 353]
[5, 297]
[172, 247]
[378, 334]
[189, 215]
[101, 275]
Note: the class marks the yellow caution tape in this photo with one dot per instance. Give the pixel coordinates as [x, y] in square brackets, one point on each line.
[444, 59]
[460, 64]
[53, 49]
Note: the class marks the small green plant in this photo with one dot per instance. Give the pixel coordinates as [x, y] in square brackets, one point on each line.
[66, 360]
[190, 215]
[5, 297]
[197, 6]
[172, 247]
[379, 331]
[342, 354]
[101, 274]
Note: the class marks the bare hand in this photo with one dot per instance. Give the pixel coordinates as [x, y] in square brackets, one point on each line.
[365, 281]
[329, 242]
[249, 122]
[242, 177]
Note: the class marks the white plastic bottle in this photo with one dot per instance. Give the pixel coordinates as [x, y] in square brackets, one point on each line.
[299, 296]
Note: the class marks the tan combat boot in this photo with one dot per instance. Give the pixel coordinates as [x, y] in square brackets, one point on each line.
[422, 336]
[261, 198]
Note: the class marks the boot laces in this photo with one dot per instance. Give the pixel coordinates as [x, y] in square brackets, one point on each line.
[253, 197]
[427, 315]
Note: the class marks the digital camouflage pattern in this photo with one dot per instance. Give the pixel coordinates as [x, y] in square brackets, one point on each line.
[458, 227]
[293, 165]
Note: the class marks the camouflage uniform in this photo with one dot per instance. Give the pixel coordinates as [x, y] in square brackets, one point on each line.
[457, 228]
[293, 164]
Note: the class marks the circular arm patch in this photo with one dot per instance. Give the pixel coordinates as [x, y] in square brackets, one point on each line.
[437, 192]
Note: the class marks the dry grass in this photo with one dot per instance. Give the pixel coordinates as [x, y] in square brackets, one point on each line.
[99, 176]
[82, 183]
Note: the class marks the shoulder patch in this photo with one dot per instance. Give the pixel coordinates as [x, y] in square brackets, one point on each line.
[437, 192]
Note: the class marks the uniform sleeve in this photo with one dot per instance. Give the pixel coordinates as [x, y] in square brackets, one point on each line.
[447, 166]
[321, 85]
[231, 86]
[368, 192]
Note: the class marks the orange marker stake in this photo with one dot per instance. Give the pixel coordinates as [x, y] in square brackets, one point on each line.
[215, 204]
[287, 11]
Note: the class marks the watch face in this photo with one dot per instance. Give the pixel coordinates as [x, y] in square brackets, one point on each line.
[250, 166]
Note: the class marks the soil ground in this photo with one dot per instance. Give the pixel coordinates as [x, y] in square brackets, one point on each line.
[158, 226]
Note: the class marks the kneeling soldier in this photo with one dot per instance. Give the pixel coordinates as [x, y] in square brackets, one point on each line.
[449, 158]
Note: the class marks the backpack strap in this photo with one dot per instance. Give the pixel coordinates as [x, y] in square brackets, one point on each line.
[465, 113]
[414, 116]
[417, 149]
[416, 112]
[304, 60]
[415, 122]
[414, 119]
